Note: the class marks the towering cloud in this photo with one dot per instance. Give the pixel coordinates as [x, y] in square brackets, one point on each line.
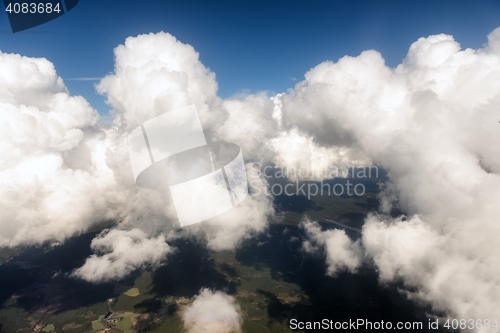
[54, 179]
[155, 74]
[432, 122]
[213, 312]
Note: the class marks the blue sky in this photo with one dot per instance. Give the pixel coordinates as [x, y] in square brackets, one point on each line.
[251, 46]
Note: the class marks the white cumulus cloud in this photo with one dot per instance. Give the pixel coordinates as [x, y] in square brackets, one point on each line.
[213, 312]
[54, 179]
[432, 122]
[121, 252]
[341, 252]
[154, 74]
